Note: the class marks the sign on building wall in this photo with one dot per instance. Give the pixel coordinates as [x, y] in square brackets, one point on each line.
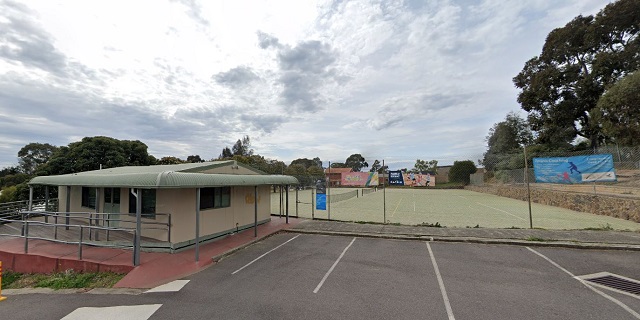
[359, 179]
[399, 178]
[578, 169]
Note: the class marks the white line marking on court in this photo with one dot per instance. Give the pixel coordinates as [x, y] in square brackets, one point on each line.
[332, 267]
[172, 286]
[586, 284]
[394, 211]
[482, 204]
[441, 283]
[140, 312]
[266, 253]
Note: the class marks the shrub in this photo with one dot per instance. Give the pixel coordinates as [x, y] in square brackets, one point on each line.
[461, 170]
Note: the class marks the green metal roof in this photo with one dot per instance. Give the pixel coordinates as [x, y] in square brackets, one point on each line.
[163, 176]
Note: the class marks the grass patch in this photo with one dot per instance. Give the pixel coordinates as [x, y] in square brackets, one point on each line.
[63, 280]
[9, 277]
[602, 227]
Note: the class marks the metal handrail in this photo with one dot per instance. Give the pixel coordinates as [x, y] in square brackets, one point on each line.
[80, 242]
[10, 209]
[102, 216]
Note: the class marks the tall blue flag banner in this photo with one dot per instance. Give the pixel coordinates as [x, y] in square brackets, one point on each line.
[321, 195]
[578, 169]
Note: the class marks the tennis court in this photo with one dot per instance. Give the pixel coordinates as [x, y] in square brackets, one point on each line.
[447, 208]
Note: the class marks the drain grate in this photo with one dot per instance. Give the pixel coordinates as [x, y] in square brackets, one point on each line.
[614, 282]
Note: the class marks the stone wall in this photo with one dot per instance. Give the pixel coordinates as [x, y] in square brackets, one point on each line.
[608, 205]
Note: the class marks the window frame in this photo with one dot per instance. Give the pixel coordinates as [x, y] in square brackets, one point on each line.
[148, 211]
[87, 197]
[215, 198]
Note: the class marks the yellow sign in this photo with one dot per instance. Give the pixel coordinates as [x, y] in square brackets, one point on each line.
[1, 297]
[250, 198]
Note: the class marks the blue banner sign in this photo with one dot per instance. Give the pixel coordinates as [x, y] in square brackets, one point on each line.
[396, 178]
[579, 169]
[321, 194]
[321, 201]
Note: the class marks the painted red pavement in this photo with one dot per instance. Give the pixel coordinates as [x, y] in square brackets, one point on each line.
[155, 268]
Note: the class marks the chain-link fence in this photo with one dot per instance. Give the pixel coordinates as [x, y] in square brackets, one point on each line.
[503, 193]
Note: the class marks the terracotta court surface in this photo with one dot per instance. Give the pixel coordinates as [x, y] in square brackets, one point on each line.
[155, 268]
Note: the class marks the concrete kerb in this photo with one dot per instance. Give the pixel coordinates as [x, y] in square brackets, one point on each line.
[518, 242]
[129, 291]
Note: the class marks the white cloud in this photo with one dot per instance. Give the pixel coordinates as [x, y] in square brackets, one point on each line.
[398, 80]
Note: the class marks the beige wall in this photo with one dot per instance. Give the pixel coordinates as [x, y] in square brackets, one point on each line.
[443, 174]
[181, 204]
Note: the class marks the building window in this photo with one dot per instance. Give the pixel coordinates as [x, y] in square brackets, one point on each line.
[89, 197]
[148, 203]
[215, 198]
[110, 193]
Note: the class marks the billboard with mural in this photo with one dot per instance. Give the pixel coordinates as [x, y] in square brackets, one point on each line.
[399, 178]
[359, 179]
[578, 169]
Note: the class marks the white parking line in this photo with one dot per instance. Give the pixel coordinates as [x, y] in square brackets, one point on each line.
[586, 284]
[260, 257]
[172, 286]
[140, 312]
[441, 283]
[333, 266]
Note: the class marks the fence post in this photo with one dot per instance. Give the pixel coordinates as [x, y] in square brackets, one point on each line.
[46, 203]
[68, 208]
[169, 231]
[135, 248]
[26, 236]
[329, 195]
[30, 206]
[526, 177]
[313, 207]
[80, 243]
[384, 194]
[197, 224]
[138, 224]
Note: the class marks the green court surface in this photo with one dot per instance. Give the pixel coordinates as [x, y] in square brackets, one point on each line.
[448, 208]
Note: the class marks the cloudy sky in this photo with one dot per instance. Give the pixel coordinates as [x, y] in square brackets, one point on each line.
[393, 80]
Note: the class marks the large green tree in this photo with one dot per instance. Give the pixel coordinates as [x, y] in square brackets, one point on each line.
[506, 139]
[356, 162]
[561, 87]
[93, 152]
[194, 159]
[242, 147]
[170, 160]
[306, 163]
[33, 155]
[618, 111]
[425, 166]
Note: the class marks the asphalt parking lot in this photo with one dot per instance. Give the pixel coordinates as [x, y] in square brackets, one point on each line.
[303, 276]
